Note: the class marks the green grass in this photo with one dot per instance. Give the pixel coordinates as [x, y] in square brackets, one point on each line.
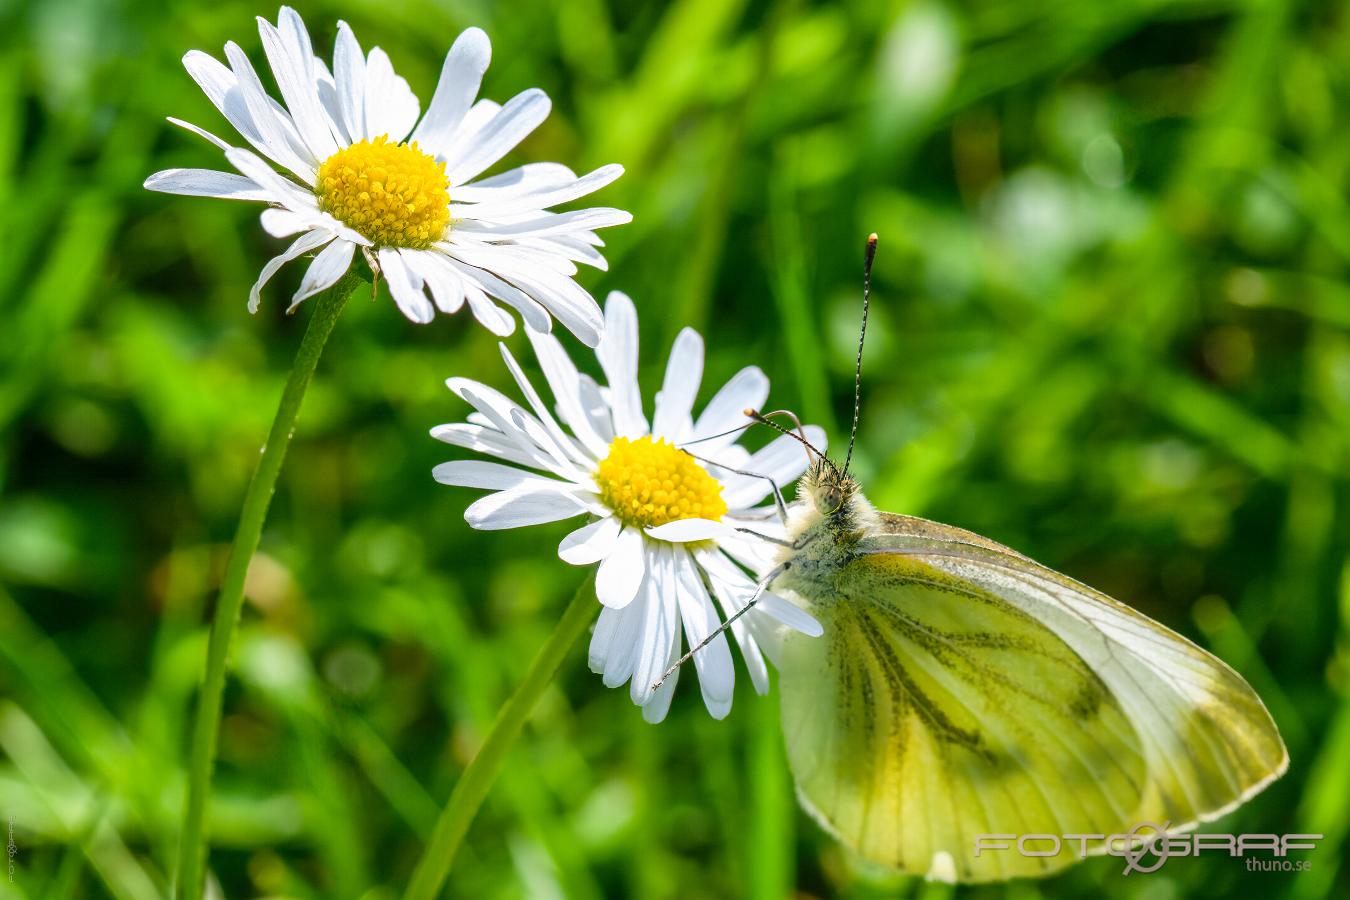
[1111, 329]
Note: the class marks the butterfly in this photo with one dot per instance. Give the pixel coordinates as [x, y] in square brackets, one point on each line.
[960, 690]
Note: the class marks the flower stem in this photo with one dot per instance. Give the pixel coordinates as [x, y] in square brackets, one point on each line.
[192, 846]
[473, 785]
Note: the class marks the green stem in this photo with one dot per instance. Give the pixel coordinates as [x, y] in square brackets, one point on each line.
[192, 847]
[473, 785]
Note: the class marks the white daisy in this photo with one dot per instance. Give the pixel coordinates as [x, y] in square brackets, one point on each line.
[663, 525]
[363, 171]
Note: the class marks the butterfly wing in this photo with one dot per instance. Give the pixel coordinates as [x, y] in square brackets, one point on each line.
[961, 689]
[1209, 741]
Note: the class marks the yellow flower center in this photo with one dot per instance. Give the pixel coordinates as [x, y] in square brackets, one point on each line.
[649, 483]
[394, 194]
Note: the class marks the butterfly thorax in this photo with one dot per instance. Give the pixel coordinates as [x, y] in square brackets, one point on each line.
[826, 524]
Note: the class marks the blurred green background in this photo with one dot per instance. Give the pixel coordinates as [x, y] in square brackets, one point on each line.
[1111, 329]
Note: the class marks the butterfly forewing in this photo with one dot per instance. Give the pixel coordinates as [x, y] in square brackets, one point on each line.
[1208, 739]
[961, 689]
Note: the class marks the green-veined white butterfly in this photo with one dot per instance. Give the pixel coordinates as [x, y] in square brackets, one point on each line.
[961, 689]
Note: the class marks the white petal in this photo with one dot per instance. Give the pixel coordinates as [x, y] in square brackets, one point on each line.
[659, 638]
[754, 659]
[546, 223]
[490, 315]
[486, 439]
[312, 121]
[492, 476]
[324, 272]
[576, 311]
[755, 555]
[590, 543]
[530, 504]
[618, 656]
[529, 178]
[789, 613]
[291, 57]
[475, 119]
[456, 90]
[716, 673]
[217, 82]
[327, 221]
[739, 589]
[684, 373]
[534, 315]
[564, 442]
[684, 530]
[596, 409]
[222, 88]
[406, 286]
[283, 190]
[281, 223]
[447, 289]
[311, 240]
[558, 446]
[207, 183]
[349, 73]
[589, 238]
[602, 637]
[214, 78]
[734, 456]
[391, 106]
[512, 123]
[618, 355]
[524, 254]
[741, 629]
[524, 429]
[200, 132]
[528, 201]
[620, 573]
[783, 460]
[271, 124]
[573, 307]
[658, 705]
[565, 383]
[568, 247]
[331, 105]
[747, 389]
[722, 569]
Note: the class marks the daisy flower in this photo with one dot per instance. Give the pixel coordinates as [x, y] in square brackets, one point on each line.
[662, 524]
[359, 169]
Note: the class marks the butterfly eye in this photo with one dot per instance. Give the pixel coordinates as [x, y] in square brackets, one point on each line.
[829, 501]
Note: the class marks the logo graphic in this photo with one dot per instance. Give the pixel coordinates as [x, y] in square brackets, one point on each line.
[1140, 845]
[1147, 846]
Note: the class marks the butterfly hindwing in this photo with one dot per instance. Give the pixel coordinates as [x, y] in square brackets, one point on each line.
[931, 712]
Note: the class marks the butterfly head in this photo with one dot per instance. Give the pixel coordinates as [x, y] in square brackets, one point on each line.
[831, 512]
[827, 488]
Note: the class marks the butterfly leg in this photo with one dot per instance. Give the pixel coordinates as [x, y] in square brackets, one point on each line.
[754, 598]
[766, 537]
[798, 544]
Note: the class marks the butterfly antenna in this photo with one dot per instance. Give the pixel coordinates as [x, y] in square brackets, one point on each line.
[797, 424]
[713, 437]
[862, 335]
[762, 419]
